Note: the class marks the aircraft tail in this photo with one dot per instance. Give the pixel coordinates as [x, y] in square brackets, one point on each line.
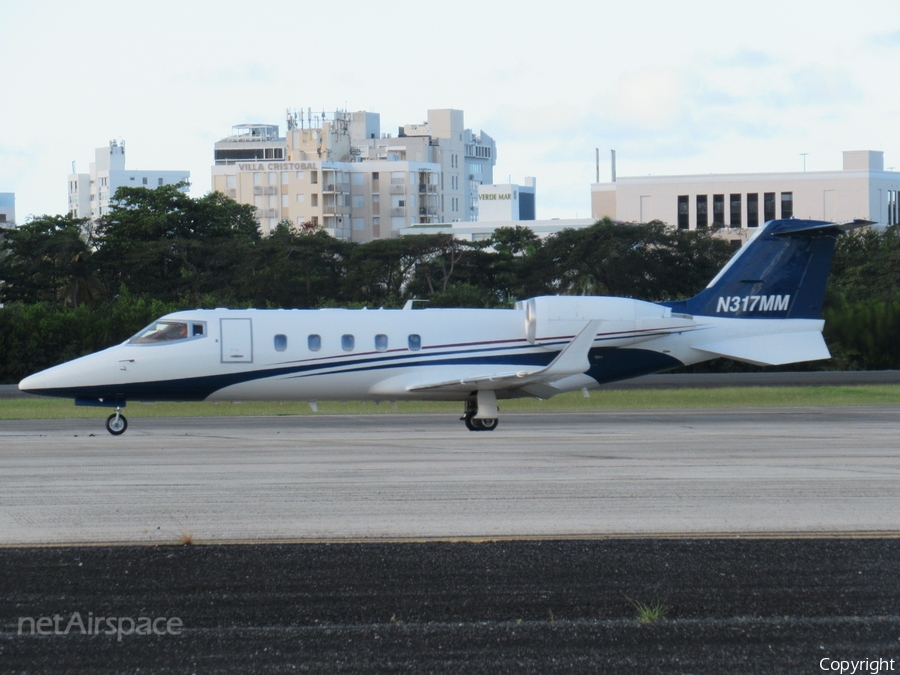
[779, 274]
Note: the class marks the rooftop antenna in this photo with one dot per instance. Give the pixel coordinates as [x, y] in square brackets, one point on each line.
[804, 154]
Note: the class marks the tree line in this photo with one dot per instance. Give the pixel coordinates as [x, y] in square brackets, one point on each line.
[72, 286]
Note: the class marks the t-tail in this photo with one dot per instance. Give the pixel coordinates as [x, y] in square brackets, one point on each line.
[779, 274]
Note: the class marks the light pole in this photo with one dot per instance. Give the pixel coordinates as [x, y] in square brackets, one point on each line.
[804, 154]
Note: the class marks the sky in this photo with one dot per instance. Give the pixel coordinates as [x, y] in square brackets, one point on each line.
[690, 87]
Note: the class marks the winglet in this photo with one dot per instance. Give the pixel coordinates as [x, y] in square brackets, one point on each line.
[573, 359]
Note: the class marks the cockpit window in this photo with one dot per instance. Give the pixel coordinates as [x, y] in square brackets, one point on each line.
[161, 331]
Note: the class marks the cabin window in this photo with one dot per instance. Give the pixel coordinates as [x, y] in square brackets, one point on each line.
[415, 342]
[161, 331]
[314, 342]
[197, 329]
[381, 342]
[280, 343]
[347, 342]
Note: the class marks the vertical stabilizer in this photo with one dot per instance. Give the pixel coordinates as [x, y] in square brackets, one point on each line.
[779, 274]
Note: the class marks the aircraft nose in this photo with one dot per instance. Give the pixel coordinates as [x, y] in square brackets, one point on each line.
[32, 383]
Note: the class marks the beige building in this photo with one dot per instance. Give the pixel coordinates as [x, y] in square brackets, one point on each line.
[339, 172]
[863, 189]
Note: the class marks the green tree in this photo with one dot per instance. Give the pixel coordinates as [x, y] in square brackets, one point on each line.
[164, 243]
[47, 259]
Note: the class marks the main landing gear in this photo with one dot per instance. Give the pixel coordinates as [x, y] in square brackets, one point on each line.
[116, 424]
[481, 414]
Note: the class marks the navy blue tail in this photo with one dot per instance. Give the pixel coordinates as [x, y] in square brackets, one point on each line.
[779, 274]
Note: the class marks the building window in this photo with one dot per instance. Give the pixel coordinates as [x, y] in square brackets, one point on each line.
[787, 204]
[753, 209]
[257, 178]
[735, 209]
[313, 177]
[160, 180]
[144, 180]
[702, 213]
[768, 206]
[285, 177]
[347, 342]
[280, 343]
[718, 209]
[272, 178]
[314, 199]
[230, 181]
[314, 342]
[683, 212]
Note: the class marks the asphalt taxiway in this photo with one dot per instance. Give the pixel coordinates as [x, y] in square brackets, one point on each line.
[806, 471]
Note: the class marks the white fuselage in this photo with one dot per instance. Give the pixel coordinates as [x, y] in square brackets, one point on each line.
[436, 354]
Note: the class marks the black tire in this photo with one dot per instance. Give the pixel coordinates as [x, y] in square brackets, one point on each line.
[471, 423]
[115, 426]
[488, 423]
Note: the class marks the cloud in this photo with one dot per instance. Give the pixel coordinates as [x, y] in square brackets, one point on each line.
[886, 39]
[748, 58]
[651, 99]
[814, 86]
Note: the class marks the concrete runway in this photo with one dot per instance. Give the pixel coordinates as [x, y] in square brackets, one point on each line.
[815, 471]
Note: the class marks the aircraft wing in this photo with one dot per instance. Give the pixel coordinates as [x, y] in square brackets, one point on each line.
[571, 360]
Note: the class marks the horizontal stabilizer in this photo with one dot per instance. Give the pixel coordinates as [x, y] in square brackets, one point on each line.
[771, 350]
[572, 360]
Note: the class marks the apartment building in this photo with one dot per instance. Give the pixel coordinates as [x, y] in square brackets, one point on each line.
[339, 172]
[90, 193]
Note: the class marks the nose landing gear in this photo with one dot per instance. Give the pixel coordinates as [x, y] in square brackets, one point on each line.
[116, 424]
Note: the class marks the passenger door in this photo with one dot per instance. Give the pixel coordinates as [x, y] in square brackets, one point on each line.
[237, 340]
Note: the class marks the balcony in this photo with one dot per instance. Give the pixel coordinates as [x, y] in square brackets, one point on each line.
[265, 190]
[427, 189]
[397, 189]
[398, 211]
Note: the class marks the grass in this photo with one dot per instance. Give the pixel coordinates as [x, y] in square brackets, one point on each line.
[649, 612]
[629, 399]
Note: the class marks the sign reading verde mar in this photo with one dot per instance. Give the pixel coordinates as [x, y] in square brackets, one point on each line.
[494, 196]
[279, 166]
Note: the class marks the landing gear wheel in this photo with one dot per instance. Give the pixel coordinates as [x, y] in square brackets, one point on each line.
[116, 424]
[471, 423]
[488, 423]
[483, 424]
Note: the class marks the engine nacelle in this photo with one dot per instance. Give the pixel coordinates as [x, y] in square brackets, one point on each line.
[554, 316]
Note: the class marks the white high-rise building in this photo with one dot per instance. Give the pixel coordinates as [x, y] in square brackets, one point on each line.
[339, 172]
[90, 193]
